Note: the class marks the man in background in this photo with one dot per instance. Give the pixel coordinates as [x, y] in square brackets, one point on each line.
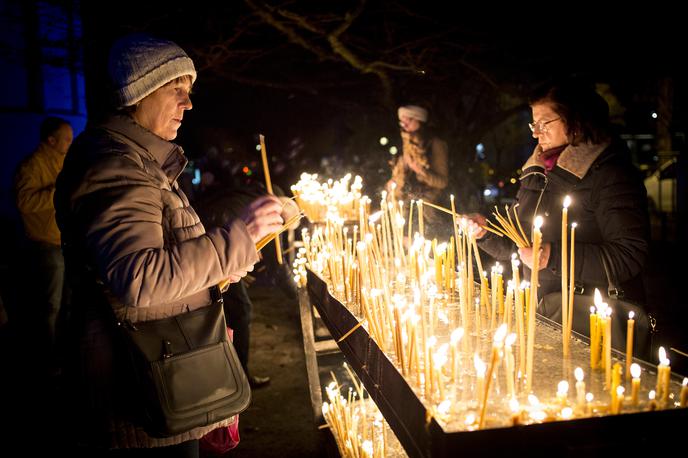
[34, 186]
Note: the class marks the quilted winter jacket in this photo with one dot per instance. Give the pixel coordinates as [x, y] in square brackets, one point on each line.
[34, 186]
[609, 203]
[124, 219]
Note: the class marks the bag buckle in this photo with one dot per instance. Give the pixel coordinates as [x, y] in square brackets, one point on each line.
[578, 289]
[216, 295]
[615, 293]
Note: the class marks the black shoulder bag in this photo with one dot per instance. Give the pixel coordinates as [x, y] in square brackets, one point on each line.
[186, 371]
[644, 326]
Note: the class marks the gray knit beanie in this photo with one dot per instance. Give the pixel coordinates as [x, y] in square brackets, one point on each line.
[139, 64]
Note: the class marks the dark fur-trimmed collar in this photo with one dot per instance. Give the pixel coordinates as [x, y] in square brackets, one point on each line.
[574, 159]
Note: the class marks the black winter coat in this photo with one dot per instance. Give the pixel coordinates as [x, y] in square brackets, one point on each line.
[609, 203]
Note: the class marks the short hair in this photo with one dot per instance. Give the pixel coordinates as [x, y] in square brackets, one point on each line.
[583, 110]
[50, 125]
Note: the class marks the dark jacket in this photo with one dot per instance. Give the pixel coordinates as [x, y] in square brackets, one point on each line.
[123, 215]
[609, 203]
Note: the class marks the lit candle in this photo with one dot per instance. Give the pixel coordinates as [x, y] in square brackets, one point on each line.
[564, 273]
[580, 387]
[562, 392]
[635, 383]
[537, 238]
[608, 347]
[594, 339]
[456, 336]
[663, 371]
[617, 400]
[629, 344]
[684, 392]
[652, 402]
[588, 400]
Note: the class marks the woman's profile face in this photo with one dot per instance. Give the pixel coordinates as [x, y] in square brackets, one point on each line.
[410, 125]
[548, 127]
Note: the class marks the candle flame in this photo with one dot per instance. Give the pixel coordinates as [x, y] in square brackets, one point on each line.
[620, 390]
[563, 387]
[480, 366]
[598, 298]
[514, 406]
[685, 381]
[456, 335]
[499, 335]
[589, 397]
[538, 222]
[651, 395]
[662, 355]
[443, 408]
[566, 413]
[635, 370]
[510, 339]
[631, 315]
[592, 309]
[579, 374]
[567, 201]
[574, 225]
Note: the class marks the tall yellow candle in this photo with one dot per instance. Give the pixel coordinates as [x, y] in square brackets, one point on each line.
[564, 274]
[594, 340]
[684, 393]
[629, 344]
[608, 348]
[572, 276]
[537, 239]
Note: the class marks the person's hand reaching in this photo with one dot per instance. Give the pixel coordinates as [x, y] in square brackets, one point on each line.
[263, 217]
[475, 222]
[526, 255]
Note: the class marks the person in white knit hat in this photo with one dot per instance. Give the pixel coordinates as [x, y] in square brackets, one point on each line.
[126, 222]
[422, 171]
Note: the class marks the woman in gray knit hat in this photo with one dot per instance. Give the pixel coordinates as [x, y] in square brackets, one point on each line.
[124, 218]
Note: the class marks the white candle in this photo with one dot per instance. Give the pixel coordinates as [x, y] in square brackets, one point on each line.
[580, 387]
[562, 392]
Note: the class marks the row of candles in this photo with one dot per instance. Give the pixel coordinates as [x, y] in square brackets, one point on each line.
[358, 427]
[333, 197]
[418, 300]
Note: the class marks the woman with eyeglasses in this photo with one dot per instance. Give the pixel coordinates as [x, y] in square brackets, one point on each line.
[578, 156]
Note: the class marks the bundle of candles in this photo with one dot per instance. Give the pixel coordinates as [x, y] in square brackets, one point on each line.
[341, 198]
[466, 347]
[358, 427]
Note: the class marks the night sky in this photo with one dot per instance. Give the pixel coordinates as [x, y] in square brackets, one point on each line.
[271, 70]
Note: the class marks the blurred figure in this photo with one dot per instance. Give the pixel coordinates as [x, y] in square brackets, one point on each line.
[422, 171]
[34, 185]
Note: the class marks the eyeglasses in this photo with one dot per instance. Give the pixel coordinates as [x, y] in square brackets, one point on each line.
[540, 127]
